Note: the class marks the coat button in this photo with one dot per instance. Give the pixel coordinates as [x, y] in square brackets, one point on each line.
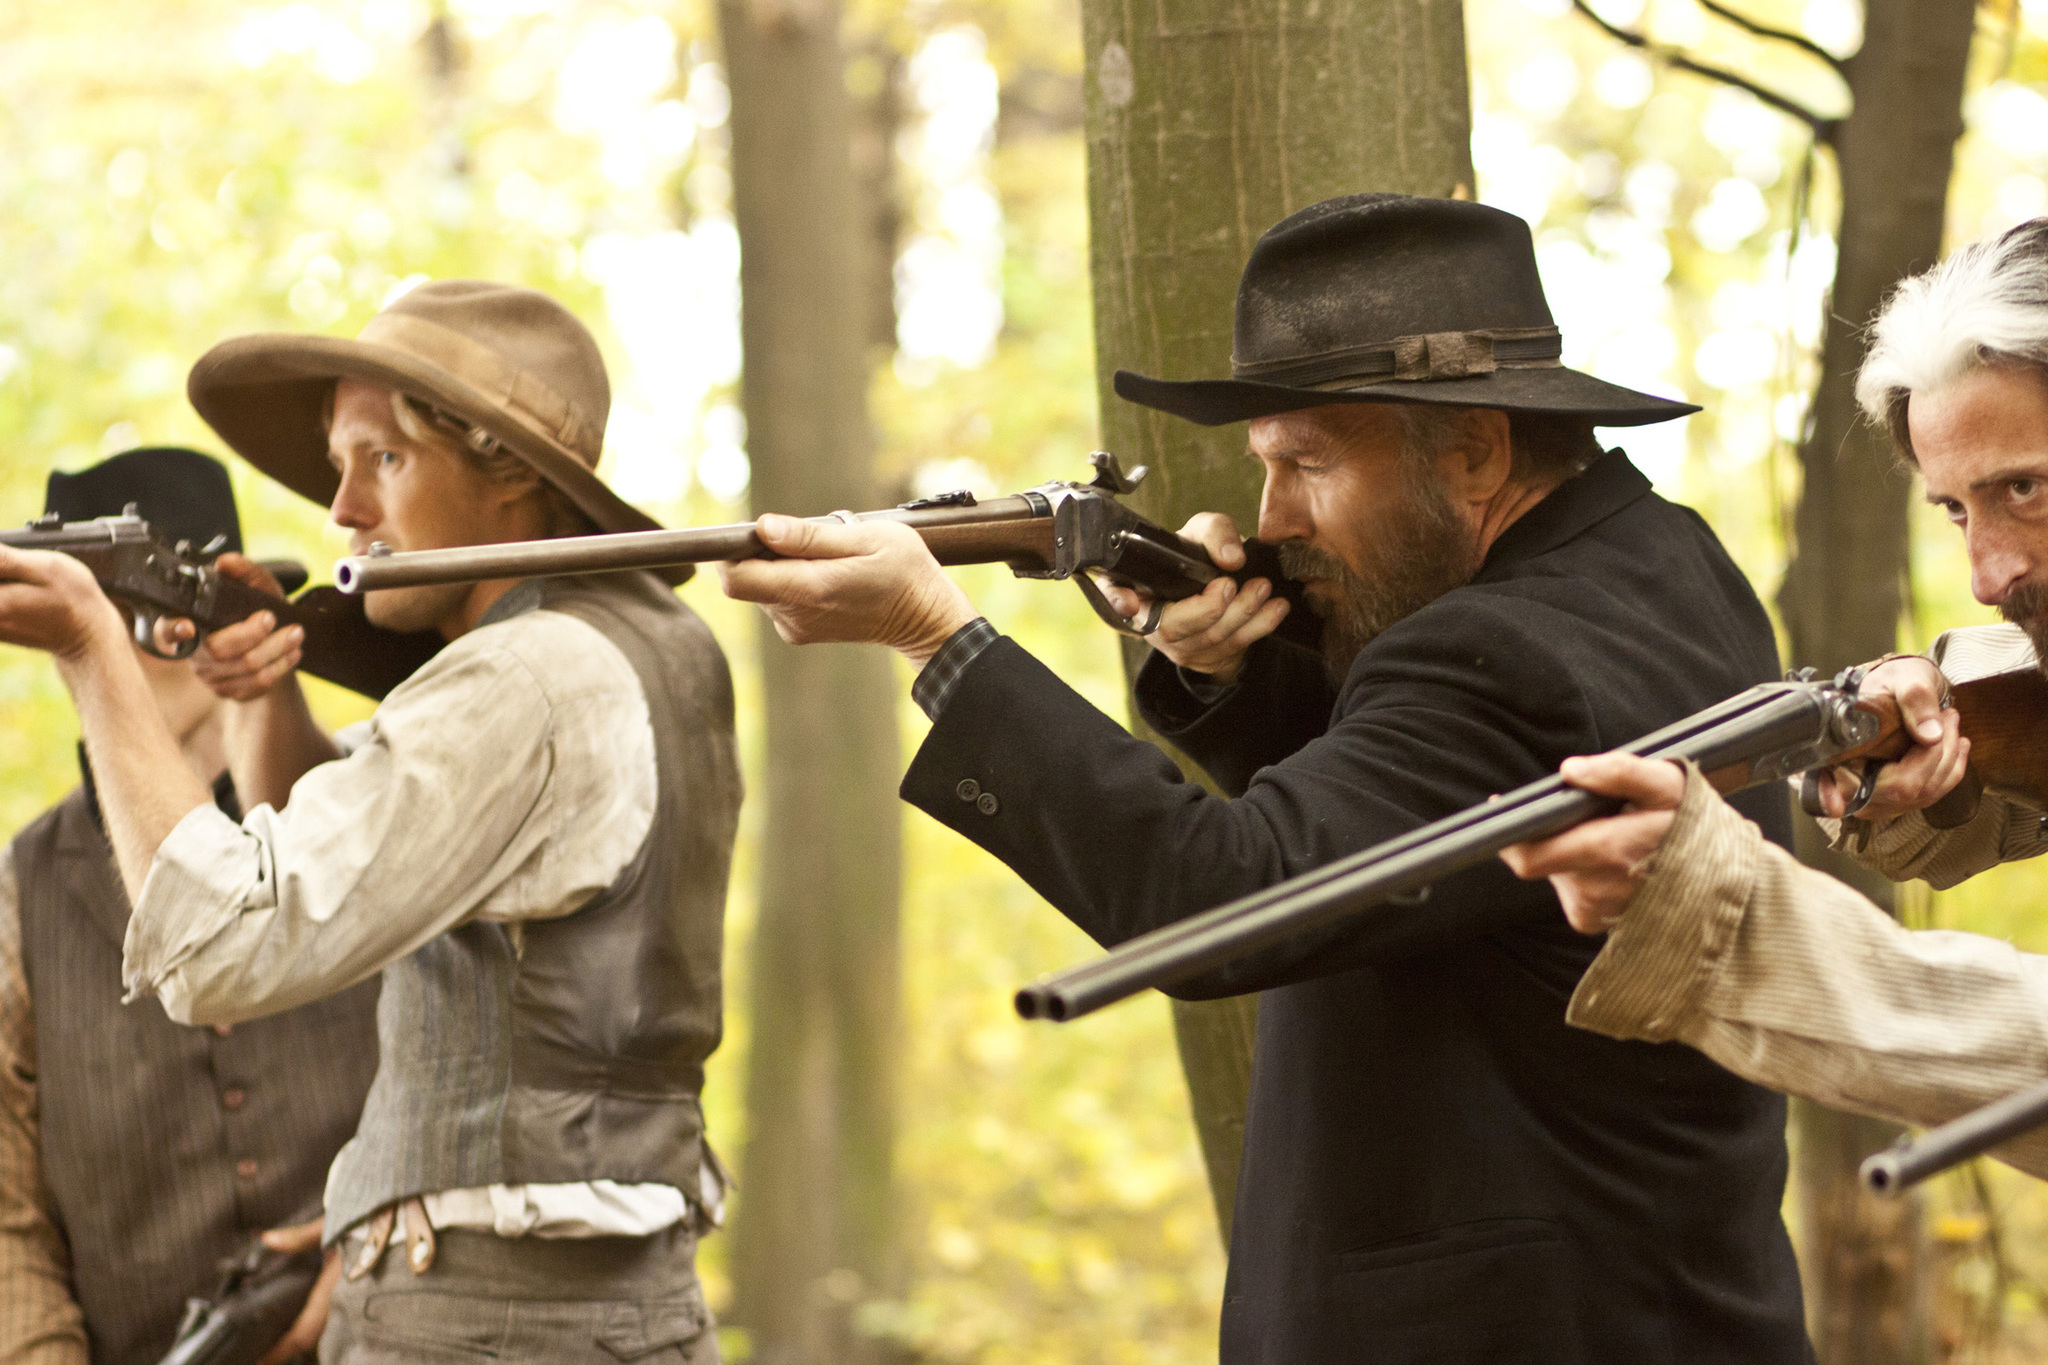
[246, 1168]
[988, 805]
[232, 1097]
[968, 789]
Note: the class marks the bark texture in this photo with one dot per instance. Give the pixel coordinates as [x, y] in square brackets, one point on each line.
[813, 1234]
[1207, 122]
[1863, 1259]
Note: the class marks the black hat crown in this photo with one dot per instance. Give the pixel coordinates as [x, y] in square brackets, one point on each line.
[1393, 298]
[182, 494]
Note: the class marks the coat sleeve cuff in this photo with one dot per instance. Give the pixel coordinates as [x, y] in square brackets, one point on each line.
[1660, 958]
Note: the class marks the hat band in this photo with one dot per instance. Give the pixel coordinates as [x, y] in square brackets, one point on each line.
[516, 392]
[1420, 358]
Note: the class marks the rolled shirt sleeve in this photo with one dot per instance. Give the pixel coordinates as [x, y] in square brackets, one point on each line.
[510, 779]
[40, 1322]
[1794, 981]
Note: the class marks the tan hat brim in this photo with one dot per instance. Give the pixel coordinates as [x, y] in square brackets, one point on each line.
[265, 393]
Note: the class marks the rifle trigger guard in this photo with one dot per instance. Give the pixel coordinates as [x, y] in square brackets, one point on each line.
[1809, 791]
[1123, 625]
[145, 638]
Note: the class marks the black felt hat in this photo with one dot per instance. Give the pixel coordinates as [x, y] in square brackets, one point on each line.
[1391, 298]
[182, 494]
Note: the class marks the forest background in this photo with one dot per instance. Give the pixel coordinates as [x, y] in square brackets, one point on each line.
[171, 175]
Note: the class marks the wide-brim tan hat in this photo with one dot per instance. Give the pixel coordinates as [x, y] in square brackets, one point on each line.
[509, 361]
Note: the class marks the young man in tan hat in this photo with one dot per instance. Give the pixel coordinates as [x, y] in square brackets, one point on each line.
[530, 842]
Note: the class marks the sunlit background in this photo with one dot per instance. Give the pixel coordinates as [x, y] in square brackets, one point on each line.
[171, 175]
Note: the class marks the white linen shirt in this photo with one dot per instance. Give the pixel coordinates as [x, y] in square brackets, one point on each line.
[511, 779]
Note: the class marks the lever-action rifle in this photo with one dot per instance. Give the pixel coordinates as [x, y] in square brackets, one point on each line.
[1056, 530]
[155, 580]
[1766, 734]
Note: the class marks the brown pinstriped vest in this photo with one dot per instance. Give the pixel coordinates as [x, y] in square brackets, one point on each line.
[580, 1056]
[165, 1147]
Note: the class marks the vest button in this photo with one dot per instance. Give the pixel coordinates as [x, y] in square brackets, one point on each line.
[232, 1097]
[246, 1168]
[968, 789]
[988, 805]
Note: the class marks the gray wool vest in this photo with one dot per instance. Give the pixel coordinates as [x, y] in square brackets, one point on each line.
[579, 1056]
[166, 1148]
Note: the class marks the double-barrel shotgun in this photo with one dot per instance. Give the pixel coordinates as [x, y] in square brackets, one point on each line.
[1768, 733]
[1056, 530]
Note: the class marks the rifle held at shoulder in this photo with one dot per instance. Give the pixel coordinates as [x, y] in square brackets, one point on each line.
[1056, 530]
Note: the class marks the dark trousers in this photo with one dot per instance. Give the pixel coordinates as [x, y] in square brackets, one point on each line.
[526, 1299]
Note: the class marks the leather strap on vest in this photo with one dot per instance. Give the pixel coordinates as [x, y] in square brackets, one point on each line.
[1426, 356]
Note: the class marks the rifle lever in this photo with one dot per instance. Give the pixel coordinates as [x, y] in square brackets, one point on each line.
[1122, 625]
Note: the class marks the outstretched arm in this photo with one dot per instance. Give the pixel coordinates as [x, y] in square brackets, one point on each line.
[51, 602]
[1780, 973]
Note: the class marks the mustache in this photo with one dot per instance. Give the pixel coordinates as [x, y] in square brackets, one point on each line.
[1299, 560]
[2026, 605]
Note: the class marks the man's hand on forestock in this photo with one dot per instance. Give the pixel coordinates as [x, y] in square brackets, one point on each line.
[870, 582]
[1210, 632]
[1599, 866]
[1937, 761]
[51, 602]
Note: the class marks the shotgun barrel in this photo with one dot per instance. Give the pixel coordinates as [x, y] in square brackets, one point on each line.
[1897, 1169]
[1764, 734]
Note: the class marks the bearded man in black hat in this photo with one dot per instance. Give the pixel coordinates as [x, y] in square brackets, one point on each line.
[530, 843]
[1436, 1168]
[137, 1153]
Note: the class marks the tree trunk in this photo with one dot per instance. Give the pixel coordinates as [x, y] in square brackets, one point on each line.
[1208, 121]
[813, 1231]
[1862, 1257]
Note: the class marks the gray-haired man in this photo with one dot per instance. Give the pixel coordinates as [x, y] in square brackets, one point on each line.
[1782, 974]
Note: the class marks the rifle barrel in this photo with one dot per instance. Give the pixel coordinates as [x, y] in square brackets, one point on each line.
[991, 523]
[1724, 740]
[1897, 1169]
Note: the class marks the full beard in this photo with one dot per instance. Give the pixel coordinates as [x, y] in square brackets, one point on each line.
[1417, 553]
[2027, 608]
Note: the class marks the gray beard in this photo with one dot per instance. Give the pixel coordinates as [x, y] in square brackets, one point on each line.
[2027, 608]
[1418, 553]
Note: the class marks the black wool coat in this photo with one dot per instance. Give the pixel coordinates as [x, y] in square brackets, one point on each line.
[1436, 1168]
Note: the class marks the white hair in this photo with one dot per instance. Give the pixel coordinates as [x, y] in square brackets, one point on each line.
[1985, 305]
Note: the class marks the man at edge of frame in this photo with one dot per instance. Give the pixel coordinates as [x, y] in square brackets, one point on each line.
[1436, 1168]
[1786, 975]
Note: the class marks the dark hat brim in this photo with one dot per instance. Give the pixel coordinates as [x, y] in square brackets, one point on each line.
[265, 395]
[1217, 402]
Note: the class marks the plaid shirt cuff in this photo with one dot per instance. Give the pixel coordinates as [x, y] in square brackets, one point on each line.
[941, 674]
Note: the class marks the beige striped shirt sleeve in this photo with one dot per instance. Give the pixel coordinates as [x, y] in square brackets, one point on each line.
[1790, 979]
[39, 1320]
